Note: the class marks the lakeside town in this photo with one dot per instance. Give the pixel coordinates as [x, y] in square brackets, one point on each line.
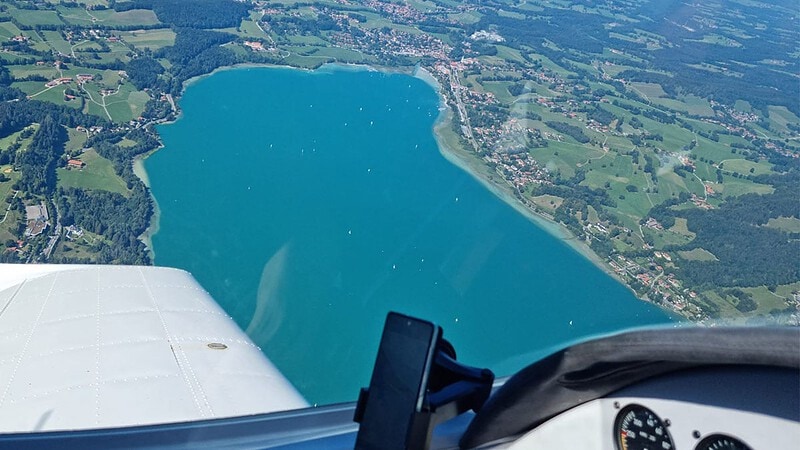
[494, 141]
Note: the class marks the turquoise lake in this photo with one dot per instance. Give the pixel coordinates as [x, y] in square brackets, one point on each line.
[309, 204]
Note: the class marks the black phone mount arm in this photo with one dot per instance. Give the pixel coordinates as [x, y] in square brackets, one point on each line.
[453, 389]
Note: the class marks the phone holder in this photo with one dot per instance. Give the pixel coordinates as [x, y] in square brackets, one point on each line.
[453, 389]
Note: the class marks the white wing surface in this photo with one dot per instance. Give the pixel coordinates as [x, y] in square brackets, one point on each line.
[105, 346]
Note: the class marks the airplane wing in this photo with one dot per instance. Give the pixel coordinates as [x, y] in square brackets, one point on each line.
[86, 347]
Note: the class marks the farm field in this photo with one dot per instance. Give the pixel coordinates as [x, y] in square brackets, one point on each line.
[98, 174]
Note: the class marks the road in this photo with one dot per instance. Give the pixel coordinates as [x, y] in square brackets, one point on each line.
[53, 239]
[456, 87]
[103, 97]
[171, 102]
[8, 208]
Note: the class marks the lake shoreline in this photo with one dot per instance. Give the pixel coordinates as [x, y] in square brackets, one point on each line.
[452, 152]
[306, 230]
[141, 173]
[467, 161]
[139, 161]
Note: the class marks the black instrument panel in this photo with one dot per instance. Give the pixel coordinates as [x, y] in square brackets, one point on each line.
[638, 428]
[721, 442]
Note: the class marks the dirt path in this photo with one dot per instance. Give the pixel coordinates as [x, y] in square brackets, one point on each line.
[9, 207]
[102, 105]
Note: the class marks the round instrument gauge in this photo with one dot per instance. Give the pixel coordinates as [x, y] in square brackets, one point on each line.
[721, 442]
[638, 428]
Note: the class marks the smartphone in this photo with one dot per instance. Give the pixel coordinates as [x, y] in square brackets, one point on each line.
[399, 382]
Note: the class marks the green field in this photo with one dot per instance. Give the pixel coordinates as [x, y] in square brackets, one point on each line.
[729, 139]
[739, 186]
[107, 17]
[468, 17]
[779, 116]
[14, 137]
[124, 104]
[125, 142]
[661, 238]
[651, 91]
[681, 227]
[341, 54]
[75, 141]
[726, 307]
[549, 64]
[22, 71]
[697, 254]
[766, 300]
[8, 223]
[29, 17]
[548, 203]
[117, 51]
[5, 186]
[306, 62]
[98, 174]
[56, 95]
[56, 41]
[87, 46]
[698, 106]
[744, 166]
[509, 54]
[742, 105]
[563, 157]
[250, 29]
[787, 224]
[80, 247]
[127, 105]
[152, 39]
[307, 40]
[9, 30]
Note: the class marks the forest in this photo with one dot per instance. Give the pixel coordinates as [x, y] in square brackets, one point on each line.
[570, 130]
[119, 219]
[194, 13]
[38, 163]
[581, 37]
[748, 252]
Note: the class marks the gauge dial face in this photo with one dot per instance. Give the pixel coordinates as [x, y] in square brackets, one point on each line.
[721, 442]
[638, 428]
